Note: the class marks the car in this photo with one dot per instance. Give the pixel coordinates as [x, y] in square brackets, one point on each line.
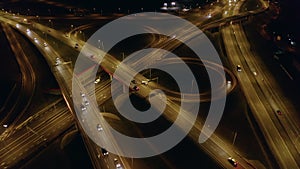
[83, 108]
[57, 61]
[104, 152]
[76, 46]
[82, 94]
[133, 85]
[27, 30]
[99, 127]
[232, 161]
[86, 102]
[136, 88]
[45, 44]
[133, 81]
[97, 80]
[145, 82]
[117, 164]
[279, 112]
[239, 68]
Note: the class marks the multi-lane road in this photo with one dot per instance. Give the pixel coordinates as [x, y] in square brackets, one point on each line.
[28, 83]
[35, 133]
[264, 96]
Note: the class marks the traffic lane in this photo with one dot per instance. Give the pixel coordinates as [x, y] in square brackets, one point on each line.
[23, 138]
[36, 137]
[255, 100]
[284, 125]
[28, 80]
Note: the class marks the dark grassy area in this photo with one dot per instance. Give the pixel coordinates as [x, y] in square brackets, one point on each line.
[9, 70]
[73, 156]
[265, 49]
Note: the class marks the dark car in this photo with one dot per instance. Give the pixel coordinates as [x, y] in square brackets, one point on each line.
[239, 68]
[279, 112]
[117, 164]
[104, 151]
[133, 81]
[232, 161]
[136, 88]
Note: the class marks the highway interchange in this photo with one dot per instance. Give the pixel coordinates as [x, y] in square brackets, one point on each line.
[215, 147]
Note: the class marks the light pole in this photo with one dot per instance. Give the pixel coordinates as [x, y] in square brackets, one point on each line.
[82, 35]
[102, 45]
[192, 85]
[45, 36]
[234, 138]
[38, 18]
[51, 23]
[49, 10]
[123, 55]
[99, 43]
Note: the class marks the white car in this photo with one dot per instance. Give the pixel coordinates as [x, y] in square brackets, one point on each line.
[232, 161]
[239, 68]
[118, 165]
[86, 102]
[97, 80]
[145, 82]
[99, 127]
[83, 108]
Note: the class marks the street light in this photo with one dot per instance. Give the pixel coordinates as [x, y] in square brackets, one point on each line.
[99, 43]
[234, 138]
[49, 10]
[123, 55]
[51, 23]
[38, 18]
[82, 35]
